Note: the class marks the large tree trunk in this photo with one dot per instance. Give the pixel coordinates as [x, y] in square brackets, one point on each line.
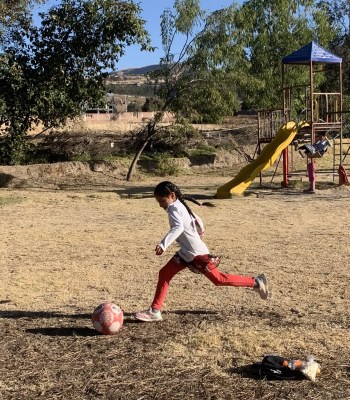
[150, 130]
[136, 159]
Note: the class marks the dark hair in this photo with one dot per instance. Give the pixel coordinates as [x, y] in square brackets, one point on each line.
[164, 189]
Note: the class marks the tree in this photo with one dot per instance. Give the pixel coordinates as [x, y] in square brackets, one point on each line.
[12, 11]
[338, 12]
[134, 107]
[270, 30]
[152, 104]
[47, 73]
[198, 83]
[194, 83]
[230, 55]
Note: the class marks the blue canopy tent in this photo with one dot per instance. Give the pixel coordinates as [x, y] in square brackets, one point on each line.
[314, 53]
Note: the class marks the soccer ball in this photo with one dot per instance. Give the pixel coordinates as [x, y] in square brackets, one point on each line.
[107, 318]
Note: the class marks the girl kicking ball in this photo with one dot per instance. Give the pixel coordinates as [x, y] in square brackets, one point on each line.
[186, 229]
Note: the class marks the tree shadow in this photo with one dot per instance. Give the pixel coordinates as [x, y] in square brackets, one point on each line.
[74, 330]
[254, 371]
[17, 314]
[145, 192]
[63, 331]
[129, 319]
[60, 331]
[249, 371]
[194, 312]
[5, 179]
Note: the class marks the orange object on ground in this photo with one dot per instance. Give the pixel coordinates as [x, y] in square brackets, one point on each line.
[297, 364]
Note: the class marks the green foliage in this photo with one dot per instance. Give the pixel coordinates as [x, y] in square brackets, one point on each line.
[165, 166]
[210, 101]
[134, 107]
[202, 150]
[131, 90]
[196, 84]
[48, 73]
[338, 12]
[174, 139]
[14, 149]
[153, 104]
[13, 12]
[234, 54]
[188, 14]
[271, 30]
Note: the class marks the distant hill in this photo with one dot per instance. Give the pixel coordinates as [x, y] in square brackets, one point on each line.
[133, 83]
[136, 71]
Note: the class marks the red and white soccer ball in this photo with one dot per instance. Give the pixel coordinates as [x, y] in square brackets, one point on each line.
[107, 318]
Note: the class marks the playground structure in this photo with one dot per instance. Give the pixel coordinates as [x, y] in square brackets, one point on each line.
[305, 113]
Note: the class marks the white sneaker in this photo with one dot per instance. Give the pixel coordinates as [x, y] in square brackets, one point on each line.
[262, 289]
[149, 315]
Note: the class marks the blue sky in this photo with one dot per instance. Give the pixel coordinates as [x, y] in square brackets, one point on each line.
[151, 12]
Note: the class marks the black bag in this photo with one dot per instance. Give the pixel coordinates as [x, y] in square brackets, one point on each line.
[272, 367]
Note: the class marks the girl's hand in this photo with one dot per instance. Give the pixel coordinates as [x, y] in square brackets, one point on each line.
[159, 250]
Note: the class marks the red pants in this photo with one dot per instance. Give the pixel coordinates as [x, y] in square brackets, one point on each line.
[205, 266]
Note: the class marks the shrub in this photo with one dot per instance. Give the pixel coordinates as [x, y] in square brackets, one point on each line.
[164, 166]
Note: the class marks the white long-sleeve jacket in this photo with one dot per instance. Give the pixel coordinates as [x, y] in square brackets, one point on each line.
[183, 230]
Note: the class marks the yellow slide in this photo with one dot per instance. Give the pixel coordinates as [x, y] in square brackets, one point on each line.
[266, 158]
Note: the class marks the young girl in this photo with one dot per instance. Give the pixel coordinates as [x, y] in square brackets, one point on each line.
[186, 229]
[319, 147]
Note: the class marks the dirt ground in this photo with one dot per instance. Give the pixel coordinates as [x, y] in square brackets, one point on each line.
[73, 242]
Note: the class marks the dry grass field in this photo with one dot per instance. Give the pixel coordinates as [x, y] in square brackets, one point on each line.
[71, 244]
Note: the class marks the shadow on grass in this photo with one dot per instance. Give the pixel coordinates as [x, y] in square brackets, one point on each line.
[253, 371]
[76, 331]
[5, 179]
[194, 312]
[147, 193]
[63, 331]
[129, 319]
[250, 371]
[14, 314]
[17, 314]
[128, 316]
